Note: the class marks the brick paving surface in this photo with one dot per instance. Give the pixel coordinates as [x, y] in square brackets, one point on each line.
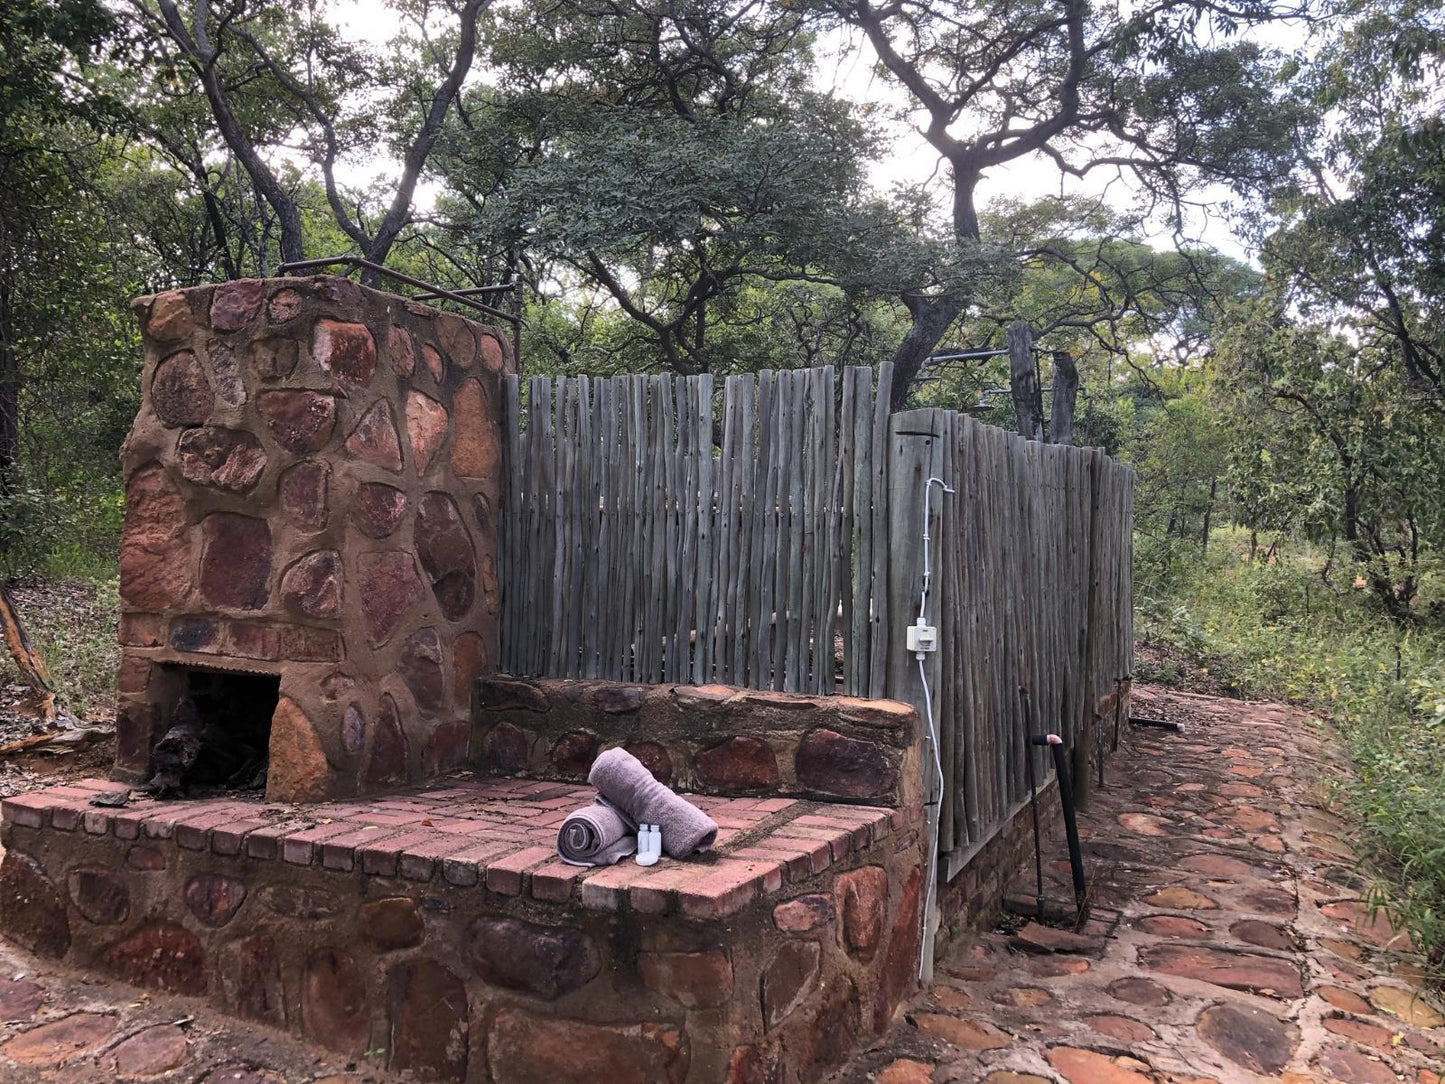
[500, 832]
[1231, 942]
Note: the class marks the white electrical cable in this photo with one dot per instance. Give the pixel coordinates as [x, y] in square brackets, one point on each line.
[932, 889]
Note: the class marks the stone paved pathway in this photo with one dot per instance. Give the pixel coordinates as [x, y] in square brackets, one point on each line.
[1231, 942]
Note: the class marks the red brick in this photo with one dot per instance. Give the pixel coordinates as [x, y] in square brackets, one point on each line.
[66, 816]
[228, 839]
[726, 890]
[794, 862]
[555, 882]
[339, 852]
[819, 852]
[193, 832]
[265, 843]
[605, 889]
[299, 849]
[26, 810]
[839, 840]
[655, 895]
[160, 823]
[96, 822]
[506, 875]
[380, 858]
[464, 867]
[418, 860]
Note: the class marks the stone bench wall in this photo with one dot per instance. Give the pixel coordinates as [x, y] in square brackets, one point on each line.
[312, 483]
[705, 739]
[411, 948]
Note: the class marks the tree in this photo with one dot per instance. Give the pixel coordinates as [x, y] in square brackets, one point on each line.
[1091, 90]
[1360, 234]
[672, 160]
[1338, 444]
[267, 70]
[43, 116]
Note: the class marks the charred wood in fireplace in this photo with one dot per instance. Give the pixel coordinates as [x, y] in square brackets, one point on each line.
[197, 752]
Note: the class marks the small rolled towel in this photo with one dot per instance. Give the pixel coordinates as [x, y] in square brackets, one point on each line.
[596, 835]
[625, 782]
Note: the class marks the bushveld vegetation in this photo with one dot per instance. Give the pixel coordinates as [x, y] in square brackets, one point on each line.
[1242, 254]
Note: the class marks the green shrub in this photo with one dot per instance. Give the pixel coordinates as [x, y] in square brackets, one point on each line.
[1295, 627]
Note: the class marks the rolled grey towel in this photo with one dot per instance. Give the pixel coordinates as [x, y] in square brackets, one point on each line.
[595, 835]
[625, 782]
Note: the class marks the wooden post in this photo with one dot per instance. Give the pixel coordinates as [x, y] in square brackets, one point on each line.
[916, 452]
[1084, 742]
[1024, 382]
[1066, 394]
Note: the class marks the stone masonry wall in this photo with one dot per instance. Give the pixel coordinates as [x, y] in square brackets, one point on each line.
[311, 489]
[705, 739]
[463, 958]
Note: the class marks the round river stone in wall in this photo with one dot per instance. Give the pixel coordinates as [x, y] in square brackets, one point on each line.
[388, 746]
[155, 551]
[214, 899]
[99, 895]
[333, 1002]
[834, 764]
[301, 421]
[476, 446]
[312, 585]
[303, 493]
[344, 350]
[421, 669]
[427, 1005]
[229, 459]
[180, 390]
[374, 439]
[378, 509]
[543, 961]
[235, 304]
[426, 428]
[446, 553]
[235, 560]
[389, 587]
[739, 763]
[32, 910]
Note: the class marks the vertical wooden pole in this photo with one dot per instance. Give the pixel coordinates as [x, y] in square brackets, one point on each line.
[1084, 743]
[915, 453]
[1024, 382]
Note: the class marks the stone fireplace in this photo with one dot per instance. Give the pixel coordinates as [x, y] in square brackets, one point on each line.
[309, 547]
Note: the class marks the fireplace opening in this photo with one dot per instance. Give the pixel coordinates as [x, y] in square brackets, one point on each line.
[218, 732]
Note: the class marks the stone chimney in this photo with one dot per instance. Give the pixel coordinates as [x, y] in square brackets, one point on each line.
[312, 490]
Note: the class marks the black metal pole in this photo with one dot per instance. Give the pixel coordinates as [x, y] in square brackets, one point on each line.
[1071, 824]
[1034, 808]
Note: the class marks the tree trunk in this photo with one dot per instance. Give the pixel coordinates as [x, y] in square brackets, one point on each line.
[931, 318]
[1066, 395]
[1208, 514]
[9, 395]
[1024, 382]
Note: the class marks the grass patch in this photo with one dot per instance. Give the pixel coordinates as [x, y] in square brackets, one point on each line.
[72, 623]
[1292, 628]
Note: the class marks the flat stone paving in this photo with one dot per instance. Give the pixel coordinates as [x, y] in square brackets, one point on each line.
[1232, 943]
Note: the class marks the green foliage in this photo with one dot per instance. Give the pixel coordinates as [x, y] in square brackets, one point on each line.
[1279, 628]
